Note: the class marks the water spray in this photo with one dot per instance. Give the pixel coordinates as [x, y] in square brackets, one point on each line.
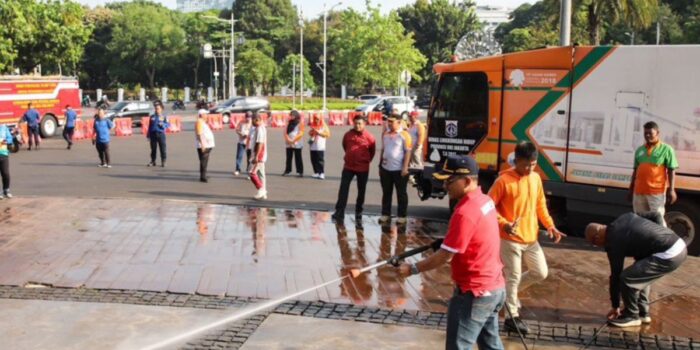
[255, 309]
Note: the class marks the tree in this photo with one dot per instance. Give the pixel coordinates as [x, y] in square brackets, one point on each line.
[273, 20]
[96, 62]
[255, 66]
[637, 14]
[371, 50]
[285, 72]
[437, 26]
[16, 30]
[145, 37]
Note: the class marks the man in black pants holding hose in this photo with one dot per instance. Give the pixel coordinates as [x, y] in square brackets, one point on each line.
[657, 251]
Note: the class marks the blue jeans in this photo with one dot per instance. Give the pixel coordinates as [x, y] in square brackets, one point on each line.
[240, 150]
[474, 320]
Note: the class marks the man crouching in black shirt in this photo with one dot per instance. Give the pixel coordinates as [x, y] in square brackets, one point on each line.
[657, 251]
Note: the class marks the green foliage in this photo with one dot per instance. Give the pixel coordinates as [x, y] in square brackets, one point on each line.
[285, 73]
[51, 34]
[437, 25]
[144, 37]
[255, 66]
[272, 20]
[371, 50]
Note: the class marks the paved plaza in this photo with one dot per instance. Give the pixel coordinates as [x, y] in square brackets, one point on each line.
[127, 256]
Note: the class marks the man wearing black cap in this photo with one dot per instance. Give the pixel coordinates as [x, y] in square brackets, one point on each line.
[472, 245]
[157, 125]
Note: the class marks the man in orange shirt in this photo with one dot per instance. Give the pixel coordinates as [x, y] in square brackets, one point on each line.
[655, 165]
[519, 198]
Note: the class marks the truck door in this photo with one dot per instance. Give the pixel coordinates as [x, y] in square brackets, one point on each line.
[536, 109]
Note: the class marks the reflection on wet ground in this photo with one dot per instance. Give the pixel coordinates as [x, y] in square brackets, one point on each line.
[185, 247]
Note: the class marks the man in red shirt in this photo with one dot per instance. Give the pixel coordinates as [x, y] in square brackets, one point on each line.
[359, 146]
[472, 245]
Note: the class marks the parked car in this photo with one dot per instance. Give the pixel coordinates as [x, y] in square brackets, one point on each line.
[240, 105]
[130, 109]
[365, 98]
[403, 105]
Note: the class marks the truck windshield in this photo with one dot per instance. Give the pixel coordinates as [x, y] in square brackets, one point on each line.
[458, 115]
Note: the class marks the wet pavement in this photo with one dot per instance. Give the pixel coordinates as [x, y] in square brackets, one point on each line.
[220, 250]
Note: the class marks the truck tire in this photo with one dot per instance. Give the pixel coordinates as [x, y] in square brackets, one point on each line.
[684, 219]
[48, 126]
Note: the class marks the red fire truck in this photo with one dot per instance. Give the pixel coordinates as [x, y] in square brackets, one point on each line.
[48, 94]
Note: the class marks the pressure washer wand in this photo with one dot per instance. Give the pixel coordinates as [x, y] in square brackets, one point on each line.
[396, 259]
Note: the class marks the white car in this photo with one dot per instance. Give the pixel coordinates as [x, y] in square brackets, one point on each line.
[402, 105]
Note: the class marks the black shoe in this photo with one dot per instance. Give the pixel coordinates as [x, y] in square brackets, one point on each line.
[300, 175]
[203, 179]
[162, 164]
[626, 321]
[68, 147]
[516, 323]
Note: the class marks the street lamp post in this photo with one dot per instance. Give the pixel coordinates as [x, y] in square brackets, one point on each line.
[325, 52]
[301, 59]
[232, 60]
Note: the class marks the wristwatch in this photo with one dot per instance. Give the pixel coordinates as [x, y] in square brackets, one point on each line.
[414, 269]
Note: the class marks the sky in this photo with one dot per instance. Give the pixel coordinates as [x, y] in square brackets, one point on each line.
[313, 8]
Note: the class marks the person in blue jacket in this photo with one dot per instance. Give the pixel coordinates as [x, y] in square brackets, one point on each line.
[103, 127]
[157, 125]
[5, 141]
[69, 128]
[32, 118]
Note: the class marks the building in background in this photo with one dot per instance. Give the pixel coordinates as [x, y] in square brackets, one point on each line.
[203, 5]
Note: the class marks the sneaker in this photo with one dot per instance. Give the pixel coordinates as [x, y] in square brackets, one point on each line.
[100, 165]
[626, 321]
[384, 219]
[108, 166]
[8, 195]
[300, 175]
[401, 221]
[285, 174]
[236, 173]
[315, 176]
[516, 324]
[645, 319]
[151, 164]
[162, 164]
[321, 176]
[262, 194]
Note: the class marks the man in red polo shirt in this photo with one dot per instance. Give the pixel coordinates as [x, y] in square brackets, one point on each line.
[472, 245]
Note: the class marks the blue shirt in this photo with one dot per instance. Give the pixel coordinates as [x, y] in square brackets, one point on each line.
[157, 124]
[32, 118]
[102, 130]
[70, 118]
[5, 134]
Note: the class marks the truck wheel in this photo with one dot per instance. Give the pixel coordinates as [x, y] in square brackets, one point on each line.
[684, 219]
[48, 126]
[226, 118]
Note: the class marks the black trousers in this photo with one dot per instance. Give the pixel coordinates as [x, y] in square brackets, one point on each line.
[33, 134]
[389, 181]
[68, 134]
[636, 280]
[103, 152]
[158, 141]
[345, 180]
[296, 154]
[203, 161]
[5, 172]
[317, 161]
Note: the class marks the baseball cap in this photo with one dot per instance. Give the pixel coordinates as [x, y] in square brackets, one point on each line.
[457, 165]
